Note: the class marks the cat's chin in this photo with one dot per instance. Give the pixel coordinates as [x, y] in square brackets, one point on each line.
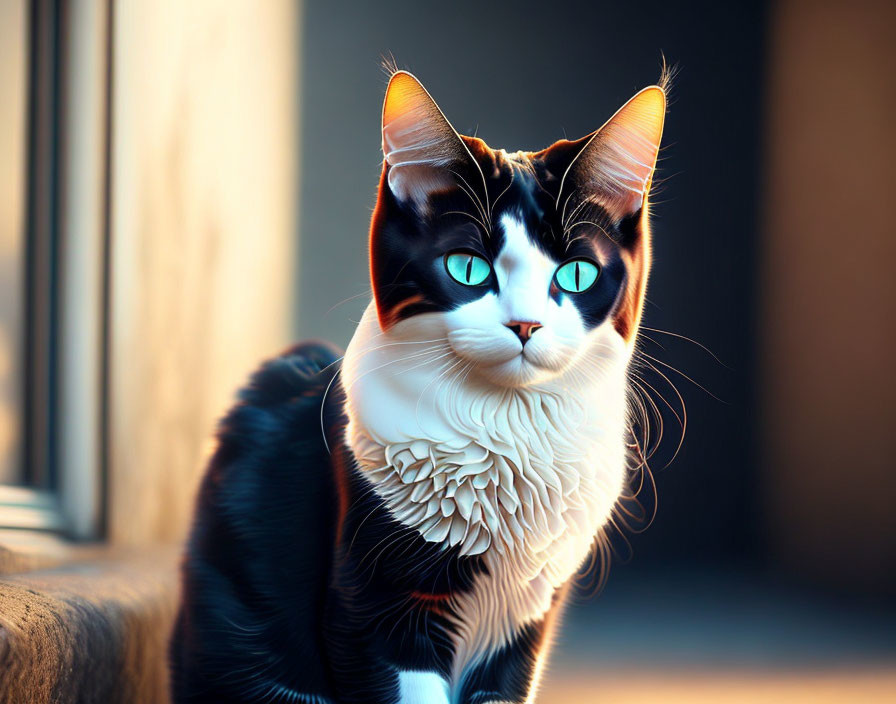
[517, 372]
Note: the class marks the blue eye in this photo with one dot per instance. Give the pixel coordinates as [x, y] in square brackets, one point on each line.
[467, 268]
[577, 276]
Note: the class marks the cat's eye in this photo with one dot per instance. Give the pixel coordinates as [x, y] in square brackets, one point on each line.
[467, 268]
[577, 276]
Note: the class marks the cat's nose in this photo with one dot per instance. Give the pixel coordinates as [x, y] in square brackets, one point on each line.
[523, 329]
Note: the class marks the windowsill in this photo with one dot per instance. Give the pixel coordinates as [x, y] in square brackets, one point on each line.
[30, 509]
[28, 550]
[91, 626]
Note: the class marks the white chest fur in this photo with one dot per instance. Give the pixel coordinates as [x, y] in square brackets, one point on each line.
[523, 477]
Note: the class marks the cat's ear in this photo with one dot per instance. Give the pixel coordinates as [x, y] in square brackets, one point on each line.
[615, 167]
[420, 146]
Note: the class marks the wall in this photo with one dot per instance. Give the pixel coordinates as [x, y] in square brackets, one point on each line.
[203, 204]
[829, 293]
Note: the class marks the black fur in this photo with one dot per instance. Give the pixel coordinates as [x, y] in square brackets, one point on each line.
[257, 566]
[297, 583]
[407, 246]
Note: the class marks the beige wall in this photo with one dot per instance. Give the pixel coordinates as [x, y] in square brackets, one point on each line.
[829, 330]
[203, 206]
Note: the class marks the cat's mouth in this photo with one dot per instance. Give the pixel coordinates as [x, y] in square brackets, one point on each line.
[505, 361]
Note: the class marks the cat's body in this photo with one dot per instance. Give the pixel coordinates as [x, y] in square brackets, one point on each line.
[402, 527]
[523, 479]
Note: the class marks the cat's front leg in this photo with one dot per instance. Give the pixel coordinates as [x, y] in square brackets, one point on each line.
[509, 675]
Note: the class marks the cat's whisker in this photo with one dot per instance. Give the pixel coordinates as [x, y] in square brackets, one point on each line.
[377, 348]
[468, 189]
[450, 366]
[431, 350]
[644, 396]
[408, 357]
[323, 404]
[366, 293]
[682, 419]
[688, 339]
[644, 336]
[501, 194]
[448, 379]
[425, 362]
[642, 421]
[564, 219]
[682, 374]
[587, 222]
[565, 203]
[472, 217]
[646, 386]
[570, 241]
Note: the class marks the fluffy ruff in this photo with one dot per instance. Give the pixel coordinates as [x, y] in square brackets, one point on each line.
[524, 477]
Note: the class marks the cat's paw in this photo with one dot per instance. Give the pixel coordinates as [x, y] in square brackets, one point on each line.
[419, 687]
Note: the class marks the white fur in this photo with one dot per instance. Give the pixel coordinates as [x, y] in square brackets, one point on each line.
[476, 331]
[515, 453]
[417, 687]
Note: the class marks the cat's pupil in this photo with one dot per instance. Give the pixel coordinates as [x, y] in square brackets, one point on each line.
[577, 276]
[469, 269]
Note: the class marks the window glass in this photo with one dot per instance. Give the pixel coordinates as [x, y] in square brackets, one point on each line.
[13, 141]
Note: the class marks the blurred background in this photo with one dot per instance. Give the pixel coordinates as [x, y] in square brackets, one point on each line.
[186, 187]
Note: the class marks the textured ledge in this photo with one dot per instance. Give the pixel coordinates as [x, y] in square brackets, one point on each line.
[94, 630]
[28, 550]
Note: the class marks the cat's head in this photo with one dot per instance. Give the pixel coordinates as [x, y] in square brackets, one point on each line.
[522, 261]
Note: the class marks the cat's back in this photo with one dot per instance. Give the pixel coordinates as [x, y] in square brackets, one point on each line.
[272, 451]
[258, 560]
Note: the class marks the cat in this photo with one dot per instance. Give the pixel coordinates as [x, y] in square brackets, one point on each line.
[401, 526]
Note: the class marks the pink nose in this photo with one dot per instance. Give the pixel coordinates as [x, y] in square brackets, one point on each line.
[523, 329]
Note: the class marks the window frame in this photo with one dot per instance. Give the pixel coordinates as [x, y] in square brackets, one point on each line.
[65, 317]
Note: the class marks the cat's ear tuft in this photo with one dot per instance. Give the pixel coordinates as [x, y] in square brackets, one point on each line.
[615, 168]
[419, 144]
